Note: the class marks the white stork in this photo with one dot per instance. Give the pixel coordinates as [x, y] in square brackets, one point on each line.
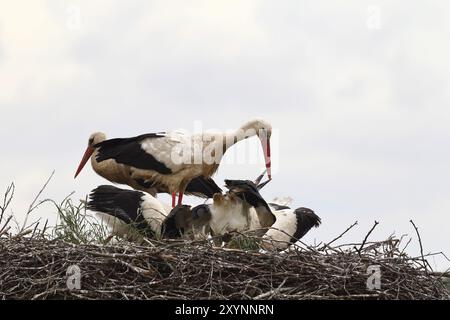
[290, 226]
[122, 174]
[169, 161]
[241, 209]
[132, 215]
[129, 214]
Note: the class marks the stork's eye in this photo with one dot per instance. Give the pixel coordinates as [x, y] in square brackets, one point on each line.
[91, 141]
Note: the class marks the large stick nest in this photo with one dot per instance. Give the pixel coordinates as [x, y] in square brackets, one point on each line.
[37, 269]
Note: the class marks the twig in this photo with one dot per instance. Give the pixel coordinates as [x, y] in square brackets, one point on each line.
[425, 263]
[340, 236]
[36, 268]
[367, 236]
[32, 205]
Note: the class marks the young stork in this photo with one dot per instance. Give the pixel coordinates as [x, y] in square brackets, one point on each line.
[132, 214]
[184, 221]
[123, 174]
[240, 209]
[243, 208]
[289, 227]
[170, 160]
[129, 214]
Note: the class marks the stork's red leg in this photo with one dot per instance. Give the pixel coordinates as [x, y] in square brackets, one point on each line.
[174, 195]
[180, 197]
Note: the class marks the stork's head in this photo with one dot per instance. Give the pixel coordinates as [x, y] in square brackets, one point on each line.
[94, 139]
[182, 219]
[263, 130]
[176, 222]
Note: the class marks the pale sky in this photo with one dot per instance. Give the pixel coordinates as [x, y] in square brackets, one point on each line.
[357, 90]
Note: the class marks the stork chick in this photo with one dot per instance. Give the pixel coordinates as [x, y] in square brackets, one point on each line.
[128, 211]
[289, 227]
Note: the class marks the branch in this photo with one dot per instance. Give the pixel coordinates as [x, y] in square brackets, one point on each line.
[33, 205]
[425, 263]
[340, 236]
[367, 236]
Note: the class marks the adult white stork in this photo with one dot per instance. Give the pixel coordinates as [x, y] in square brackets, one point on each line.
[171, 160]
[123, 174]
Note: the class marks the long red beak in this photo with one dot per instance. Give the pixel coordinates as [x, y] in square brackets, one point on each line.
[266, 147]
[87, 154]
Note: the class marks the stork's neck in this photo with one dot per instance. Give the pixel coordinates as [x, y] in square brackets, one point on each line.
[240, 134]
[216, 144]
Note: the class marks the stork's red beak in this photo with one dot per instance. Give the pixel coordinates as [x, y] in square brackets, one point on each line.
[265, 141]
[88, 153]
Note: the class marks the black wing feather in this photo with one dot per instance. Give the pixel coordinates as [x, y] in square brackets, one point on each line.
[203, 187]
[200, 186]
[247, 191]
[122, 204]
[128, 151]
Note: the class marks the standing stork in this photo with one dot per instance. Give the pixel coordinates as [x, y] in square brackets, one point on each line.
[122, 174]
[171, 160]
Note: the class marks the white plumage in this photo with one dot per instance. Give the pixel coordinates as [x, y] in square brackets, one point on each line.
[290, 226]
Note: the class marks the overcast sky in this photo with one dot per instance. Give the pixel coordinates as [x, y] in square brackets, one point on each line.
[358, 92]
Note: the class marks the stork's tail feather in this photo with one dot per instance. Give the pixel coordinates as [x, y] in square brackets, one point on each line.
[119, 203]
[306, 219]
